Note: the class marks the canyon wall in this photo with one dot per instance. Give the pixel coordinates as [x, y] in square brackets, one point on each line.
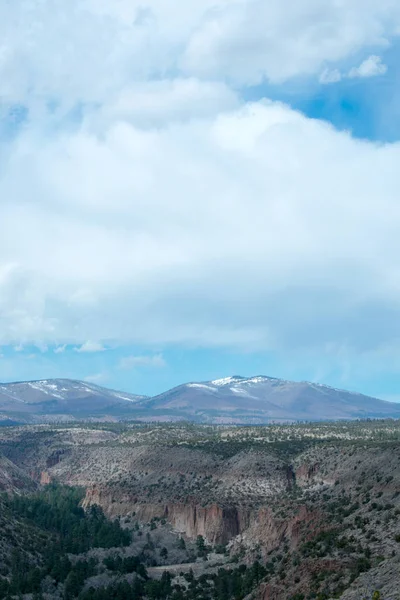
[216, 524]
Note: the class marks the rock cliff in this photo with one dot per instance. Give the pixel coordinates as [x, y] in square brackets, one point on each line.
[216, 524]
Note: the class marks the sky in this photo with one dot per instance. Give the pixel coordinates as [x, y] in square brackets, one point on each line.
[191, 190]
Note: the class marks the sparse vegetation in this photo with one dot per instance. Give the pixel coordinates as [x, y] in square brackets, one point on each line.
[317, 504]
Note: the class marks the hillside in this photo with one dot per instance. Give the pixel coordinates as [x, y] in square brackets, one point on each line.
[62, 399]
[285, 512]
[240, 400]
[265, 399]
[13, 479]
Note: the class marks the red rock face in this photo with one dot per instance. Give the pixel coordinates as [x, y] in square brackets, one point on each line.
[215, 523]
[45, 478]
[268, 531]
[306, 472]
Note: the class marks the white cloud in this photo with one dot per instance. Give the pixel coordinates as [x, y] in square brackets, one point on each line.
[133, 362]
[84, 51]
[370, 67]
[249, 40]
[166, 211]
[91, 347]
[43, 348]
[155, 103]
[98, 378]
[330, 76]
[248, 229]
[60, 349]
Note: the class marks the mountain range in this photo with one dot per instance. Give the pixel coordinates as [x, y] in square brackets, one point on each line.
[235, 399]
[61, 400]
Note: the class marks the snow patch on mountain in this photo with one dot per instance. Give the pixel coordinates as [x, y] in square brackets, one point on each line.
[46, 388]
[202, 386]
[224, 381]
[241, 392]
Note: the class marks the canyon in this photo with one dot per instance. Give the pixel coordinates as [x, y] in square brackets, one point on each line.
[313, 498]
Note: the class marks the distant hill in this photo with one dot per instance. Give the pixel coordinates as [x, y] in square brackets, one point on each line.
[234, 399]
[61, 399]
[264, 399]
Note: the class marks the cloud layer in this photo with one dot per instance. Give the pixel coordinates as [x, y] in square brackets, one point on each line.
[58, 53]
[248, 227]
[143, 201]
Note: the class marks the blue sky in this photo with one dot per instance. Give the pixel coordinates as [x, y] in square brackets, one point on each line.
[190, 192]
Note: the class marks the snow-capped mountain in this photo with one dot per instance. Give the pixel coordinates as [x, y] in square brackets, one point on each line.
[51, 399]
[264, 399]
[229, 400]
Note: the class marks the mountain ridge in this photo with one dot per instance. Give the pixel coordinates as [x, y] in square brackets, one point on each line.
[44, 400]
[233, 400]
[260, 399]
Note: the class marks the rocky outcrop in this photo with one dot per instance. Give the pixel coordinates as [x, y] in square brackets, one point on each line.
[55, 457]
[45, 478]
[216, 524]
[266, 531]
[305, 473]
